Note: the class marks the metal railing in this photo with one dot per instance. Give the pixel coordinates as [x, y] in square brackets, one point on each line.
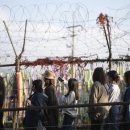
[76, 126]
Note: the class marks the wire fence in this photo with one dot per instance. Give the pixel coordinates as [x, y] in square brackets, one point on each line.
[49, 25]
[52, 30]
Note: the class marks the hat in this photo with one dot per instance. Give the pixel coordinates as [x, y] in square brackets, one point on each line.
[49, 74]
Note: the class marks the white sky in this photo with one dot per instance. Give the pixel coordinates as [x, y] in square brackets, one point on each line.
[47, 32]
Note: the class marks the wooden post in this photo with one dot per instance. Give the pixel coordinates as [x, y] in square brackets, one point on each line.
[18, 75]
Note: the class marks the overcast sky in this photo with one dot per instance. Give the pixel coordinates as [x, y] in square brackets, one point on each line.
[53, 33]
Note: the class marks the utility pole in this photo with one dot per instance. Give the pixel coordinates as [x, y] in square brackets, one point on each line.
[73, 45]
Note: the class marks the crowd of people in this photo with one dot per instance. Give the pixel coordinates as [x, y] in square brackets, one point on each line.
[48, 119]
[105, 89]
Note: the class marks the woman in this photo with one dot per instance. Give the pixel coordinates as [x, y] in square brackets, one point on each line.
[33, 117]
[115, 96]
[99, 94]
[2, 97]
[53, 114]
[70, 98]
[126, 108]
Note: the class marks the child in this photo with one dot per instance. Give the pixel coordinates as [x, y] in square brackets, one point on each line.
[70, 99]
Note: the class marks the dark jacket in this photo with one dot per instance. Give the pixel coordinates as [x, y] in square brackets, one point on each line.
[33, 116]
[1, 105]
[53, 113]
[126, 108]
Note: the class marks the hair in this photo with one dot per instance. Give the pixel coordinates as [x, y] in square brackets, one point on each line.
[38, 85]
[73, 86]
[2, 89]
[99, 75]
[113, 75]
[127, 77]
[51, 82]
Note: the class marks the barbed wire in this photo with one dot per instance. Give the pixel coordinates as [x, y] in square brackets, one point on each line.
[48, 28]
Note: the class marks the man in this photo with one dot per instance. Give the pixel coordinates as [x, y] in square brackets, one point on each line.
[49, 79]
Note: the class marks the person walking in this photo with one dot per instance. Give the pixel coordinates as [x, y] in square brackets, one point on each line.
[114, 96]
[53, 114]
[99, 94]
[71, 98]
[38, 99]
[126, 108]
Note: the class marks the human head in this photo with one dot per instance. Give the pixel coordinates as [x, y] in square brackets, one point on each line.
[99, 75]
[1, 82]
[2, 89]
[113, 76]
[73, 86]
[37, 85]
[49, 78]
[127, 77]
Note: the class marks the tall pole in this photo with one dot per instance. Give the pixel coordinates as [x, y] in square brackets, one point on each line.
[18, 74]
[104, 22]
[109, 38]
[17, 69]
[17, 63]
[73, 44]
[73, 34]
